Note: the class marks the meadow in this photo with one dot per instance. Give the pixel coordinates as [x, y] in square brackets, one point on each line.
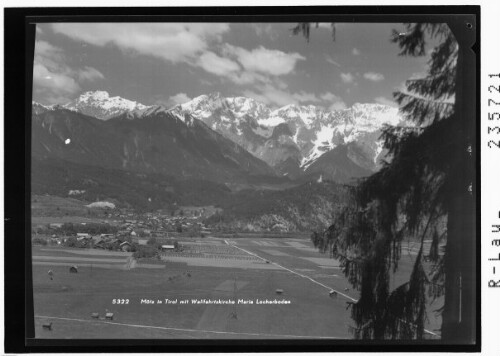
[240, 269]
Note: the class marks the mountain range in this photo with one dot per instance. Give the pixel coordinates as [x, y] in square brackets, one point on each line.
[296, 142]
[264, 169]
[160, 142]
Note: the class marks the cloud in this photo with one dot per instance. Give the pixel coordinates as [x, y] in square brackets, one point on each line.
[270, 95]
[229, 69]
[330, 60]
[179, 98]
[48, 55]
[356, 52]
[243, 78]
[332, 101]
[339, 105]
[347, 77]
[171, 101]
[384, 101]
[190, 43]
[259, 97]
[306, 97]
[244, 67]
[374, 77]
[174, 42]
[214, 64]
[263, 60]
[280, 83]
[328, 96]
[54, 81]
[279, 97]
[89, 74]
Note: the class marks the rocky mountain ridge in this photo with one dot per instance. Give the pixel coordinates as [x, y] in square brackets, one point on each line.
[290, 139]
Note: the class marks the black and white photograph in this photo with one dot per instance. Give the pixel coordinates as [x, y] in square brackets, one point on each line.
[255, 180]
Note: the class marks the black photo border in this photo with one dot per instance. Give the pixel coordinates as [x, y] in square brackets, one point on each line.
[19, 34]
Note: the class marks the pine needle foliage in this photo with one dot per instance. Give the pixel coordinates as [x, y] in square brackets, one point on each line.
[408, 198]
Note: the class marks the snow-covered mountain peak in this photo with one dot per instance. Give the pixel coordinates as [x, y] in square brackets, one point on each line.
[99, 95]
[101, 105]
[202, 105]
[300, 115]
[38, 108]
[242, 106]
[375, 115]
[291, 138]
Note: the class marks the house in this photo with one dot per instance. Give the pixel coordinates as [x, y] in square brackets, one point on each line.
[167, 247]
[55, 225]
[81, 234]
[73, 269]
[126, 246]
[99, 244]
[115, 243]
[97, 241]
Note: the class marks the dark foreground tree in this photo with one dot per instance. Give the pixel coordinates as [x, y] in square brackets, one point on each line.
[420, 193]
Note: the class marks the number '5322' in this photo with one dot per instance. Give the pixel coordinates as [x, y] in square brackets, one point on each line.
[121, 301]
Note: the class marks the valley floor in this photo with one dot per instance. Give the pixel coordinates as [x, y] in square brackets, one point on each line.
[244, 270]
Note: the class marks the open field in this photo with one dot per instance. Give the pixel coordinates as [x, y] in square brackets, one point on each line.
[44, 220]
[48, 209]
[49, 205]
[241, 270]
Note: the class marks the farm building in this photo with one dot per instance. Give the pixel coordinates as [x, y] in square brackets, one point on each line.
[81, 234]
[97, 242]
[83, 238]
[125, 246]
[167, 247]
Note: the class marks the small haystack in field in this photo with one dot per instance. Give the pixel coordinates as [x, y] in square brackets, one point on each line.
[109, 316]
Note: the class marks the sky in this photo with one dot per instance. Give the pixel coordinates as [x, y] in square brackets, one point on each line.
[171, 63]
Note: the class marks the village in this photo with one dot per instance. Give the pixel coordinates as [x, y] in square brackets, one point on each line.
[125, 230]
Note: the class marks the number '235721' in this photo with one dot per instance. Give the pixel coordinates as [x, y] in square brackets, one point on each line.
[493, 115]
